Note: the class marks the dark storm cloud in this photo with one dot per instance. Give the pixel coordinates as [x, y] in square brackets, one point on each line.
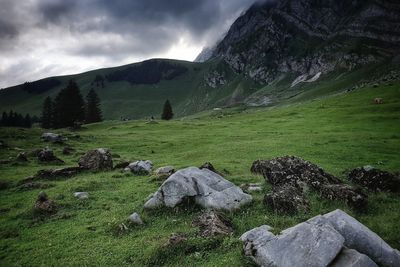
[100, 33]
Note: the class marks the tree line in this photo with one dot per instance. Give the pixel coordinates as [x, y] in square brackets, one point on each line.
[14, 119]
[69, 108]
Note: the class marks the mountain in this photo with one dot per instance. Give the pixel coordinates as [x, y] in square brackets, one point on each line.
[276, 53]
[307, 37]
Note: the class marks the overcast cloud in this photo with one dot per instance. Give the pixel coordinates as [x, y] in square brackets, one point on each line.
[41, 38]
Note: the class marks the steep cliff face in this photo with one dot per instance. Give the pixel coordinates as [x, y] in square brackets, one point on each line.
[308, 37]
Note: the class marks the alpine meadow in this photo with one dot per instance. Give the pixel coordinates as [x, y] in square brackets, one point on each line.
[277, 145]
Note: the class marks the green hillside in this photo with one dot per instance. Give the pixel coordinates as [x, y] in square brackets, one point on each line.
[188, 91]
[338, 133]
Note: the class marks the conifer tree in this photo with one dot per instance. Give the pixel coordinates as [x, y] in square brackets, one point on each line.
[69, 107]
[27, 121]
[47, 113]
[93, 111]
[167, 111]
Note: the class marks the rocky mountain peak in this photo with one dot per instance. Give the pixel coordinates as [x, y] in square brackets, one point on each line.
[307, 37]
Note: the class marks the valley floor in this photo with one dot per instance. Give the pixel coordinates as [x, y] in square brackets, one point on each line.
[337, 133]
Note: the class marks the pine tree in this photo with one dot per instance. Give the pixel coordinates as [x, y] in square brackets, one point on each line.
[27, 121]
[167, 111]
[4, 119]
[93, 111]
[47, 113]
[69, 107]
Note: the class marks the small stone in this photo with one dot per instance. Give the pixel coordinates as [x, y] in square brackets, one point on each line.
[135, 218]
[52, 137]
[164, 172]
[68, 150]
[176, 238]
[81, 195]
[22, 157]
[140, 167]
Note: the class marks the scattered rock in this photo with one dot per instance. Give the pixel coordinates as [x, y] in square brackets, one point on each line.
[352, 258]
[286, 199]
[4, 185]
[81, 195]
[68, 150]
[164, 172]
[53, 174]
[53, 138]
[3, 144]
[211, 223]
[252, 187]
[176, 238]
[47, 155]
[296, 172]
[305, 244]
[135, 218]
[96, 160]
[140, 167]
[359, 237]
[293, 170]
[44, 204]
[121, 165]
[352, 197]
[32, 186]
[5, 161]
[207, 188]
[22, 157]
[378, 100]
[375, 179]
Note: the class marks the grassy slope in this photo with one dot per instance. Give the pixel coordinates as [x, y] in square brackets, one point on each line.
[337, 133]
[188, 92]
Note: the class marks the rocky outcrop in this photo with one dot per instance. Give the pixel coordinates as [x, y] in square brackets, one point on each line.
[205, 187]
[53, 174]
[294, 172]
[287, 199]
[375, 179]
[334, 239]
[96, 160]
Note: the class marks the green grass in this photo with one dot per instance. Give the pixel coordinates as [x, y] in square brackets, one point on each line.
[338, 133]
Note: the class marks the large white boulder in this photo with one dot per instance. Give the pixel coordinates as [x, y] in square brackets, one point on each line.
[306, 244]
[352, 258]
[359, 237]
[207, 188]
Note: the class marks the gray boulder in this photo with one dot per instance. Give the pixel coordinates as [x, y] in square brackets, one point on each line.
[359, 237]
[52, 137]
[140, 167]
[207, 188]
[81, 195]
[97, 159]
[306, 244]
[135, 218]
[352, 258]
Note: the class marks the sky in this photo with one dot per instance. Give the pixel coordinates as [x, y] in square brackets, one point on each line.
[42, 38]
